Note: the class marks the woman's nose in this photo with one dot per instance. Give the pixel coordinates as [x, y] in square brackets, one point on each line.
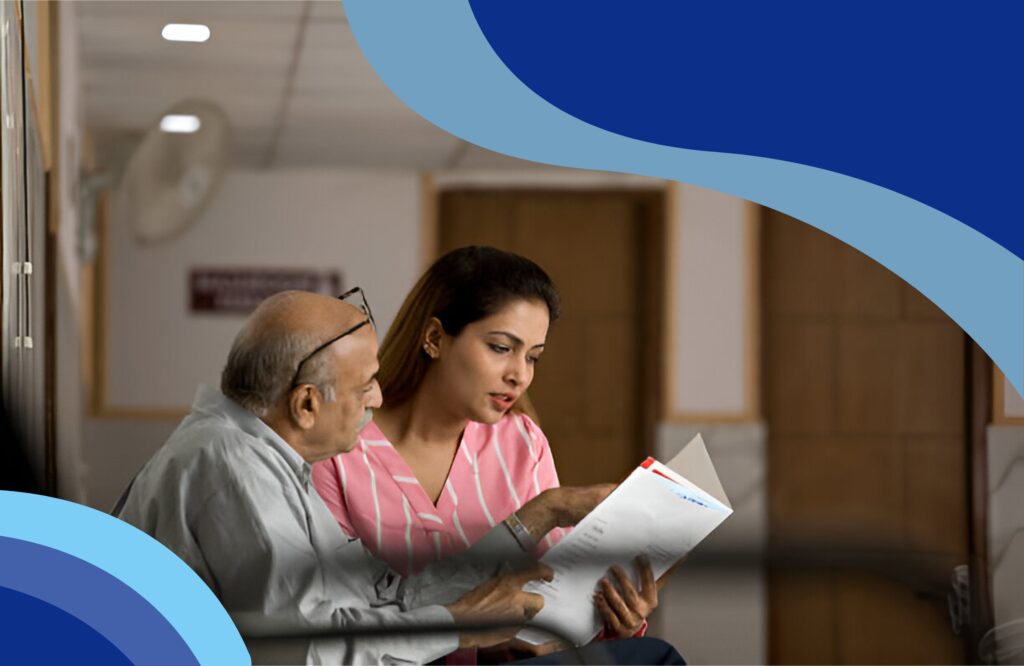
[516, 373]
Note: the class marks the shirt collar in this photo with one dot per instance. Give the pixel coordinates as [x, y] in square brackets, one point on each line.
[210, 400]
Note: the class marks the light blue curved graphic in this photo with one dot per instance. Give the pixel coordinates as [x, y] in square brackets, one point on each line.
[136, 559]
[434, 57]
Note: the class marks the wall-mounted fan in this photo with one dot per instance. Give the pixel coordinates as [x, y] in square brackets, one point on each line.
[176, 169]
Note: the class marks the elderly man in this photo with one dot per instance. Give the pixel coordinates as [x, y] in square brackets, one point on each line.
[230, 493]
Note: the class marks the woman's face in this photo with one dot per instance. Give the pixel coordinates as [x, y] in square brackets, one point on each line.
[485, 369]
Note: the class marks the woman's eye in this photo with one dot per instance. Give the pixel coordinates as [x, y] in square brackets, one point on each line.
[501, 349]
[533, 359]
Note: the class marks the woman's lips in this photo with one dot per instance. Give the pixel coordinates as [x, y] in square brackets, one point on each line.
[501, 400]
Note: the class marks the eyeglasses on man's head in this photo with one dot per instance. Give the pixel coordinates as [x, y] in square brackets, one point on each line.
[362, 305]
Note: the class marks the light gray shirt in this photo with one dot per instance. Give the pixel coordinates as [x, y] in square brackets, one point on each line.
[233, 500]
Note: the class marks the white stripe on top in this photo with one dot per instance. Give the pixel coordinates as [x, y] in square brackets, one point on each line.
[405, 479]
[408, 531]
[480, 492]
[376, 499]
[451, 491]
[536, 481]
[430, 516]
[526, 436]
[342, 479]
[458, 527]
[504, 469]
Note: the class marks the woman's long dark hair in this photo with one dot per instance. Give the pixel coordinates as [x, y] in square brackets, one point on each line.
[463, 286]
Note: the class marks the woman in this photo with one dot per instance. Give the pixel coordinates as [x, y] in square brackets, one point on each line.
[451, 453]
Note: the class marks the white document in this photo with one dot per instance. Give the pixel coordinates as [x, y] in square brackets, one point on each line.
[659, 510]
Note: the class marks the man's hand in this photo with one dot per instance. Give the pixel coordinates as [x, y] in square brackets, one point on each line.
[622, 607]
[499, 600]
[561, 507]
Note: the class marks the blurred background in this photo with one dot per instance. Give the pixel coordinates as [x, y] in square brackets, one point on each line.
[165, 164]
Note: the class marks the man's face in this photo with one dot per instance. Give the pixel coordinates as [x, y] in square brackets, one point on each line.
[355, 391]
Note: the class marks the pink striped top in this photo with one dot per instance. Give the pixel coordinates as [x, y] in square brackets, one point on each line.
[375, 496]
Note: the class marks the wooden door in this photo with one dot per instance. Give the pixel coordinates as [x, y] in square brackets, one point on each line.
[864, 394]
[593, 390]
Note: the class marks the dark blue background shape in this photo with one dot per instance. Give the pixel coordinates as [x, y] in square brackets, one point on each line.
[102, 617]
[924, 99]
[33, 632]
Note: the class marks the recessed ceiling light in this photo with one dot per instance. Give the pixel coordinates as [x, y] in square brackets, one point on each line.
[180, 124]
[185, 32]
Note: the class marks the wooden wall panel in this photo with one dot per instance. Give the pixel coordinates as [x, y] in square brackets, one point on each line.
[916, 306]
[866, 288]
[867, 377]
[936, 511]
[880, 621]
[931, 381]
[803, 370]
[799, 269]
[836, 488]
[802, 618]
[864, 383]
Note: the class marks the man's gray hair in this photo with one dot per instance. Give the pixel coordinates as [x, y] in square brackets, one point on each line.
[262, 363]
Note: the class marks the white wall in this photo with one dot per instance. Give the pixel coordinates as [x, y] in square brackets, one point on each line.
[710, 280]
[364, 224]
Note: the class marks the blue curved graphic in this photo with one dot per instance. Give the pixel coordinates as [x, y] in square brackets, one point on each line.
[177, 597]
[435, 58]
[30, 626]
[918, 98]
[108, 607]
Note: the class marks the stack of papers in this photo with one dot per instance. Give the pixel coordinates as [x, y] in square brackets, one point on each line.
[660, 510]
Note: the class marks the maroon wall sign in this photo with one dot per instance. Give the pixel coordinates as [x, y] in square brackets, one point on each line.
[240, 290]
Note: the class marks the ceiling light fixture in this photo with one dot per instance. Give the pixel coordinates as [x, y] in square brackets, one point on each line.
[185, 32]
[180, 124]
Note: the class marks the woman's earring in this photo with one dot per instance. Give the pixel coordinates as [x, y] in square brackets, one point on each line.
[430, 352]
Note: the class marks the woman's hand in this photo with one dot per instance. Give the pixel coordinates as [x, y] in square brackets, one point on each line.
[624, 608]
